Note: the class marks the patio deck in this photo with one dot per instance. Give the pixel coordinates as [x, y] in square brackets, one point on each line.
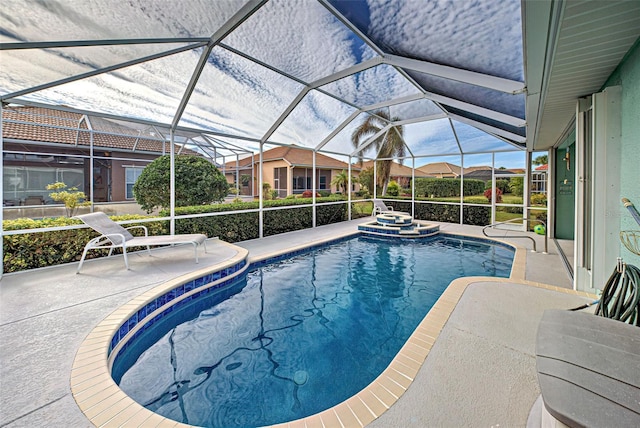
[480, 371]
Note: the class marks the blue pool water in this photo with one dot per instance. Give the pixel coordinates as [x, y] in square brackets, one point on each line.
[298, 336]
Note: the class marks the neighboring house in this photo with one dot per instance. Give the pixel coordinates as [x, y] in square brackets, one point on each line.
[42, 146]
[539, 179]
[440, 170]
[484, 173]
[289, 170]
[401, 174]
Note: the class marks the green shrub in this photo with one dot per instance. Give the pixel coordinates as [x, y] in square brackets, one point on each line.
[71, 197]
[393, 189]
[324, 193]
[243, 226]
[446, 187]
[501, 183]
[35, 250]
[477, 216]
[198, 181]
[539, 199]
[516, 185]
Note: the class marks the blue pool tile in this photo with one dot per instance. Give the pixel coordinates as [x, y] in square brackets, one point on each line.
[123, 330]
[142, 312]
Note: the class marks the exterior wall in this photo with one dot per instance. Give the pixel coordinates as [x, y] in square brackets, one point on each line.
[230, 175]
[108, 172]
[267, 171]
[627, 75]
[118, 184]
[611, 172]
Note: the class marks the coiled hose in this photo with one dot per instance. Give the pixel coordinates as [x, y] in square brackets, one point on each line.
[620, 298]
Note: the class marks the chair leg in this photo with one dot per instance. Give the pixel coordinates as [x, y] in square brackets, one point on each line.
[84, 254]
[195, 249]
[124, 253]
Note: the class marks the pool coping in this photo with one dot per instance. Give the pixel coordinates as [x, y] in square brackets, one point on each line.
[105, 404]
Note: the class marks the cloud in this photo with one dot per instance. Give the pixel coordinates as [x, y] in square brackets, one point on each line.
[479, 35]
[235, 95]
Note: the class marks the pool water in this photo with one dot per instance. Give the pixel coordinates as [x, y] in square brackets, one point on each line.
[296, 337]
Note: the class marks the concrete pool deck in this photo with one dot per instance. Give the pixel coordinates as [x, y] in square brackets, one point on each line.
[479, 371]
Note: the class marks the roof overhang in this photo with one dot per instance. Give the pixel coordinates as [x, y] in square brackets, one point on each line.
[571, 48]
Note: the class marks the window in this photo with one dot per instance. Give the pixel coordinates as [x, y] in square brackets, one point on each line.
[323, 182]
[21, 182]
[130, 176]
[539, 182]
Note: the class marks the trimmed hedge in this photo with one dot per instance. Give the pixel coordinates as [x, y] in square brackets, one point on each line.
[35, 250]
[472, 215]
[30, 251]
[447, 187]
[244, 226]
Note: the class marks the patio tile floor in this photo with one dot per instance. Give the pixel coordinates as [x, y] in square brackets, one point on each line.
[481, 368]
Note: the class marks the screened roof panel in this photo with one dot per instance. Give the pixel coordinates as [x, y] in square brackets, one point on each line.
[481, 119]
[23, 69]
[238, 96]
[28, 20]
[341, 142]
[483, 35]
[312, 120]
[474, 140]
[484, 159]
[253, 75]
[372, 86]
[150, 91]
[513, 105]
[299, 37]
[415, 109]
[434, 137]
[236, 145]
[510, 160]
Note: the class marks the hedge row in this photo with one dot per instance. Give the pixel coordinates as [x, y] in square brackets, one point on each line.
[447, 187]
[472, 215]
[30, 251]
[34, 250]
[244, 226]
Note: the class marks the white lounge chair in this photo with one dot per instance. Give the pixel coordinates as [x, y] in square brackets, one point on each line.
[115, 236]
[379, 207]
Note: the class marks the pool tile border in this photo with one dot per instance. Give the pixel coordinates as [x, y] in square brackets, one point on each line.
[105, 405]
[93, 388]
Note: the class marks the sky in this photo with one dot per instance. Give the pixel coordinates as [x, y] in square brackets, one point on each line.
[240, 97]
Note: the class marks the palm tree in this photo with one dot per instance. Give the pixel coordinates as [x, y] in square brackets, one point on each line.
[341, 181]
[388, 146]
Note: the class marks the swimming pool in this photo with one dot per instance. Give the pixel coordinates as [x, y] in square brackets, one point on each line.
[298, 336]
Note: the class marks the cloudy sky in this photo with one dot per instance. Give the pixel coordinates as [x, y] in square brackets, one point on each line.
[241, 97]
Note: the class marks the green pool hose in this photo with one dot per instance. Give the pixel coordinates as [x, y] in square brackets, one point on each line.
[620, 298]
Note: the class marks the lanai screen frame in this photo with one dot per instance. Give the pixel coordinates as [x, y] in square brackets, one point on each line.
[207, 44]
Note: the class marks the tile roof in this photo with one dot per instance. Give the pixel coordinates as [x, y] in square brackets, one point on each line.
[398, 170]
[45, 125]
[294, 156]
[440, 168]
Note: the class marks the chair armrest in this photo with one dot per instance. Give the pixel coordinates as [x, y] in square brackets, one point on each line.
[146, 232]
